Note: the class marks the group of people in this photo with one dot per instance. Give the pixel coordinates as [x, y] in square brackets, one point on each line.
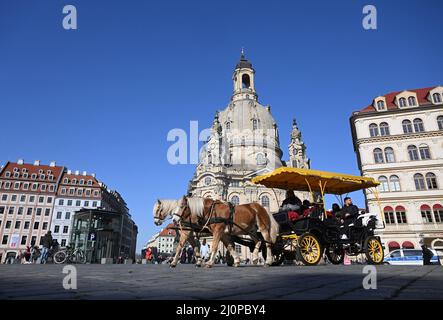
[34, 254]
[344, 216]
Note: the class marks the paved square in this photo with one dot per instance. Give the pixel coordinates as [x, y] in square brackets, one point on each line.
[220, 282]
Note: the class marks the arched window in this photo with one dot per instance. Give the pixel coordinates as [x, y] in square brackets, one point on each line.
[378, 155]
[373, 130]
[384, 185]
[407, 126]
[418, 125]
[400, 214]
[261, 160]
[425, 154]
[389, 154]
[265, 201]
[436, 97]
[209, 158]
[402, 102]
[228, 126]
[380, 105]
[413, 153]
[254, 124]
[438, 213]
[412, 101]
[431, 181]
[426, 214]
[419, 181]
[245, 81]
[389, 215]
[384, 129]
[235, 200]
[394, 183]
[440, 122]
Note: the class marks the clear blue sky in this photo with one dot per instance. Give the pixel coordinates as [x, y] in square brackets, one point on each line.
[103, 98]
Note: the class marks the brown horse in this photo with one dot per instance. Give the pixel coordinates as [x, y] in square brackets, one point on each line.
[216, 215]
[164, 209]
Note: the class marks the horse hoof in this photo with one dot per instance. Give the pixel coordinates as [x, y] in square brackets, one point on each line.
[208, 265]
[236, 265]
[198, 265]
[255, 261]
[172, 265]
[267, 265]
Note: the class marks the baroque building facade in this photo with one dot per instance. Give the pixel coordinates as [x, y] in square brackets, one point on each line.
[244, 142]
[398, 140]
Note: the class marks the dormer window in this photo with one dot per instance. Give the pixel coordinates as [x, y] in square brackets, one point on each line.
[7, 174]
[411, 101]
[89, 182]
[15, 169]
[34, 176]
[74, 181]
[402, 102]
[436, 97]
[380, 105]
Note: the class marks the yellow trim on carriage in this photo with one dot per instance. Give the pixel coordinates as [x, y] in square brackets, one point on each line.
[314, 181]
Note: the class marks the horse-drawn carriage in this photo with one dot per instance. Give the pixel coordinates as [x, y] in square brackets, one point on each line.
[307, 238]
[278, 237]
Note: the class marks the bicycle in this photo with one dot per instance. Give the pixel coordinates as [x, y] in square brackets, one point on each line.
[70, 255]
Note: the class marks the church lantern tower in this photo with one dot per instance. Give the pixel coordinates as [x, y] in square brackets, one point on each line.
[243, 79]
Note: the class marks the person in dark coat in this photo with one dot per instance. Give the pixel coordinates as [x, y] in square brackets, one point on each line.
[190, 254]
[348, 214]
[427, 255]
[46, 243]
[291, 202]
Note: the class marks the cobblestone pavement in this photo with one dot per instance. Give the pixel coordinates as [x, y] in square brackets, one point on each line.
[220, 282]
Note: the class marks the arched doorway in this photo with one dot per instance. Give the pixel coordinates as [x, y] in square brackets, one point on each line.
[393, 245]
[407, 245]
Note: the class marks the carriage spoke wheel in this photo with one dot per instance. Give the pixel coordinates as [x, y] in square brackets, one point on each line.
[335, 254]
[374, 250]
[309, 249]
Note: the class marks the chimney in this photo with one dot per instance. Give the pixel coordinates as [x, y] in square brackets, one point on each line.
[52, 164]
[36, 162]
[93, 175]
[69, 171]
[20, 161]
[84, 173]
[77, 172]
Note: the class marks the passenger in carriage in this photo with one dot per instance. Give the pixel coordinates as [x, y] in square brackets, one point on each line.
[349, 213]
[291, 202]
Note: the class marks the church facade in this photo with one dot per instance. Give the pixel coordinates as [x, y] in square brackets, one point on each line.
[244, 142]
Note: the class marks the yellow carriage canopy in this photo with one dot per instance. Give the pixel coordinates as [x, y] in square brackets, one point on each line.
[314, 180]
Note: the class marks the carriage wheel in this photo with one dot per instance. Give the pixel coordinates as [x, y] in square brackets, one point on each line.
[335, 253]
[309, 249]
[374, 250]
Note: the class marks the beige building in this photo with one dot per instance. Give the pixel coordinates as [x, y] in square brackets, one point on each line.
[244, 142]
[398, 139]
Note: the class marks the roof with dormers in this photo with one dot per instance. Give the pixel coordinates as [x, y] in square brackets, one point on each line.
[422, 99]
[31, 169]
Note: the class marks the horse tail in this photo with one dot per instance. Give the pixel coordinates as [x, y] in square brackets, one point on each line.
[274, 229]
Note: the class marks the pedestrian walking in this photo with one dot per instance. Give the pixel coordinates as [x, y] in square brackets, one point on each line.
[183, 256]
[190, 254]
[46, 243]
[204, 250]
[427, 255]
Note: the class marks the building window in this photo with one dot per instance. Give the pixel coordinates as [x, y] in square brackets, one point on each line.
[394, 183]
[418, 125]
[38, 212]
[426, 214]
[261, 159]
[60, 202]
[436, 97]
[47, 212]
[29, 211]
[32, 199]
[41, 199]
[402, 102]
[63, 243]
[208, 181]
[419, 181]
[59, 215]
[8, 224]
[440, 122]
[94, 204]
[425, 154]
[378, 156]
[14, 198]
[254, 124]
[373, 130]
[389, 215]
[49, 200]
[235, 200]
[2, 210]
[63, 190]
[413, 153]
[4, 197]
[17, 224]
[65, 229]
[78, 203]
[20, 210]
[389, 154]
[69, 202]
[24, 239]
[45, 226]
[27, 224]
[237, 248]
[411, 101]
[67, 215]
[265, 201]
[384, 185]
[22, 198]
[86, 204]
[5, 239]
[56, 229]
[380, 105]
[431, 181]
[36, 225]
[11, 210]
[400, 214]
[384, 129]
[438, 213]
[228, 126]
